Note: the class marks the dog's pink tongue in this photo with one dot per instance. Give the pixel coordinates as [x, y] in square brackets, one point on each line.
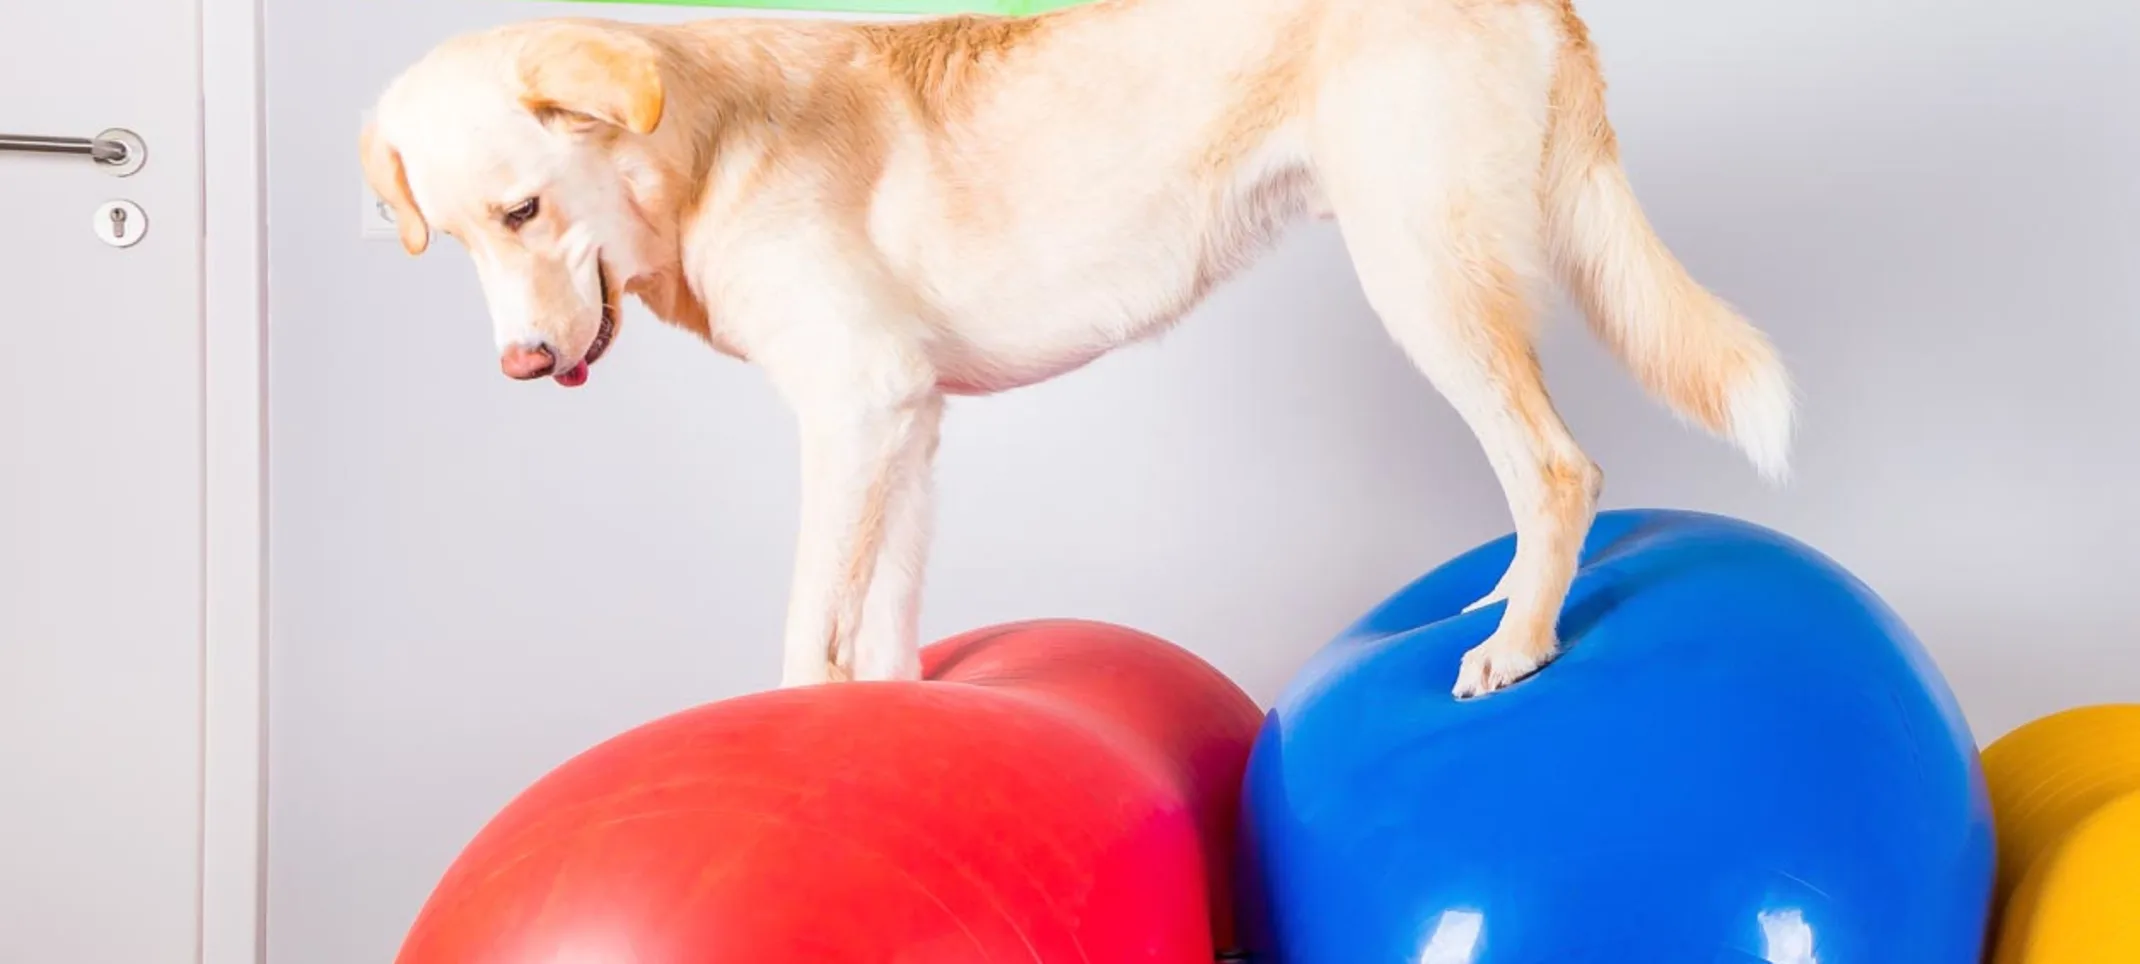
[574, 378]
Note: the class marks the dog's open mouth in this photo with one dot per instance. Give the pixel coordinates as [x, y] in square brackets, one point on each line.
[577, 376]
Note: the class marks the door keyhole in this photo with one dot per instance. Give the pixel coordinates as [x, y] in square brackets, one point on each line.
[120, 223]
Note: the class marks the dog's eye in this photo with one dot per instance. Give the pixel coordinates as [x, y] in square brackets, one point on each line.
[522, 213]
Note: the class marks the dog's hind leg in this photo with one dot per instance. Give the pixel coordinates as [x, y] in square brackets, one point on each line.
[1432, 168]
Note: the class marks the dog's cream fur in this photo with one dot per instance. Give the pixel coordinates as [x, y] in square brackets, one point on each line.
[880, 215]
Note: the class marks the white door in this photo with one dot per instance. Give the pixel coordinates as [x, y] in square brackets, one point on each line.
[100, 490]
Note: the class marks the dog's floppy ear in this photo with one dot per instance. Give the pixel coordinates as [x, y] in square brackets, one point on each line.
[383, 171]
[591, 71]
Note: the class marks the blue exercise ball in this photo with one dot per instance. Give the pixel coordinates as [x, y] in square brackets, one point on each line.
[1740, 755]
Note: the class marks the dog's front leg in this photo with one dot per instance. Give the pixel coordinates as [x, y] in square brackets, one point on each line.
[864, 499]
[888, 644]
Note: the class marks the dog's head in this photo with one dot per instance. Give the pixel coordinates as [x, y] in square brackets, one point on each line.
[520, 144]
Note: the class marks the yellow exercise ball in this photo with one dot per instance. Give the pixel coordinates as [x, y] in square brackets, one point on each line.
[2065, 794]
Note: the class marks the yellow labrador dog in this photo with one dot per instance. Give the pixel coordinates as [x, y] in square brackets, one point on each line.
[884, 214]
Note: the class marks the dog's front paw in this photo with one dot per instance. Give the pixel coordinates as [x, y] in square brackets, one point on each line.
[1500, 661]
[809, 672]
[882, 658]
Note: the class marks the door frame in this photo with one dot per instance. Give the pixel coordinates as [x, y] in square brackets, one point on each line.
[234, 299]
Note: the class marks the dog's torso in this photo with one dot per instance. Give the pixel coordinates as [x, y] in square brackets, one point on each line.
[1024, 242]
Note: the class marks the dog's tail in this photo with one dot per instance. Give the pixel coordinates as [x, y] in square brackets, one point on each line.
[1686, 346]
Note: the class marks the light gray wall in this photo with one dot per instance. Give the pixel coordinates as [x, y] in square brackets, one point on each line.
[1931, 206]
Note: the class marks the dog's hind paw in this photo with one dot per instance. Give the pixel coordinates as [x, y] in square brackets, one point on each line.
[1497, 663]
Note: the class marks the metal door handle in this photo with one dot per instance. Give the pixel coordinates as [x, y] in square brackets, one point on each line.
[118, 151]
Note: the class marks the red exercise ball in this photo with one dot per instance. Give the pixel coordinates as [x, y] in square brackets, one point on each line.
[1054, 792]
